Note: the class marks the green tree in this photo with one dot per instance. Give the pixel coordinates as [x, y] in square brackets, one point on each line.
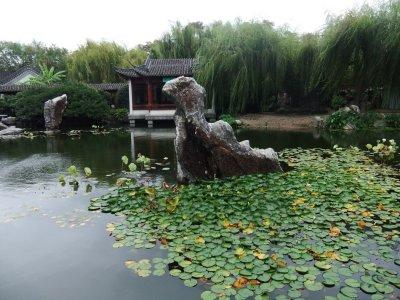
[95, 62]
[242, 65]
[361, 50]
[134, 57]
[14, 55]
[180, 42]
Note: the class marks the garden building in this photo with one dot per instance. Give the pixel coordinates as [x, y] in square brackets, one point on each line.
[146, 100]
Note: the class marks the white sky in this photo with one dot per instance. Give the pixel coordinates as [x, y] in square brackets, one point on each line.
[69, 23]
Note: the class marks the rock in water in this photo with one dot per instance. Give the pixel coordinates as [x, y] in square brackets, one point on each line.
[12, 130]
[3, 126]
[208, 150]
[9, 121]
[53, 111]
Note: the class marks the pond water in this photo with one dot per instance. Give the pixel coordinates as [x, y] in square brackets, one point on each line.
[52, 247]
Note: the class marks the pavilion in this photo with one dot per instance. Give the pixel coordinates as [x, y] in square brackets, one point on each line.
[146, 100]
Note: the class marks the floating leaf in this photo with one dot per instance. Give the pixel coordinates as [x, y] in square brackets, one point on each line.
[334, 231]
[200, 240]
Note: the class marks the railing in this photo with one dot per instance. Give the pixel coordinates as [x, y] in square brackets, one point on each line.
[154, 106]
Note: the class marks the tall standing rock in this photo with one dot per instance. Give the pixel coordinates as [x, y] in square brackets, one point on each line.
[208, 150]
[53, 111]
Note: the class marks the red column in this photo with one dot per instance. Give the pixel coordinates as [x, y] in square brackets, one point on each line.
[150, 96]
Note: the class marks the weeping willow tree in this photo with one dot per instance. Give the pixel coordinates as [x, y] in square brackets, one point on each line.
[361, 50]
[95, 62]
[389, 64]
[134, 57]
[180, 42]
[306, 63]
[242, 65]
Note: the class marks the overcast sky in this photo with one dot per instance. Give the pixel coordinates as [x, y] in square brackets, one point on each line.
[69, 23]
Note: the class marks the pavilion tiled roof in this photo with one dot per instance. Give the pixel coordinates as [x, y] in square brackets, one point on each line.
[8, 76]
[15, 88]
[160, 68]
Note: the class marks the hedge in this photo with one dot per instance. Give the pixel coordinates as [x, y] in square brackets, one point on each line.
[85, 104]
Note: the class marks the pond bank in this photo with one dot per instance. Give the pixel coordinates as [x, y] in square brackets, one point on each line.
[281, 122]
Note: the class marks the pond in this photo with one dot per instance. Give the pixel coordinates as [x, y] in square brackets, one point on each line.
[52, 247]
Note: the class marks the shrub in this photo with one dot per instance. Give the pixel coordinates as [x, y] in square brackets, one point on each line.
[392, 121]
[341, 118]
[338, 102]
[85, 104]
[119, 115]
[6, 106]
[229, 119]
[370, 118]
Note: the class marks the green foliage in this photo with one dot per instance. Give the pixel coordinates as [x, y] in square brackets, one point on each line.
[338, 102]
[180, 42]
[47, 76]
[360, 49]
[95, 62]
[369, 119]
[16, 55]
[339, 119]
[333, 218]
[6, 106]
[246, 64]
[85, 104]
[134, 57]
[231, 120]
[119, 115]
[392, 120]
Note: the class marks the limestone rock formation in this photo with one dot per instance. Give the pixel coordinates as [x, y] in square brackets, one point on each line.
[9, 121]
[53, 111]
[208, 150]
[12, 130]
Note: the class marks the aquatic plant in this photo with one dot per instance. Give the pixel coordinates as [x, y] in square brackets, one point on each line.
[384, 150]
[331, 222]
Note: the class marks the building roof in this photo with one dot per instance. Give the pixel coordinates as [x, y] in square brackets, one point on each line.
[6, 77]
[160, 68]
[15, 88]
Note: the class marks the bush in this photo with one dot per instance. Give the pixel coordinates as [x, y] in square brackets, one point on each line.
[6, 106]
[392, 121]
[119, 115]
[341, 118]
[338, 102]
[85, 104]
[229, 119]
[370, 118]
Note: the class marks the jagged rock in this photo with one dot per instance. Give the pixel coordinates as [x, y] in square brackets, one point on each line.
[318, 122]
[208, 150]
[12, 130]
[53, 111]
[3, 126]
[349, 108]
[9, 121]
[355, 108]
[349, 126]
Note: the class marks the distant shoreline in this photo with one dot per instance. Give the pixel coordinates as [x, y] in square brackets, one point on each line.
[277, 121]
